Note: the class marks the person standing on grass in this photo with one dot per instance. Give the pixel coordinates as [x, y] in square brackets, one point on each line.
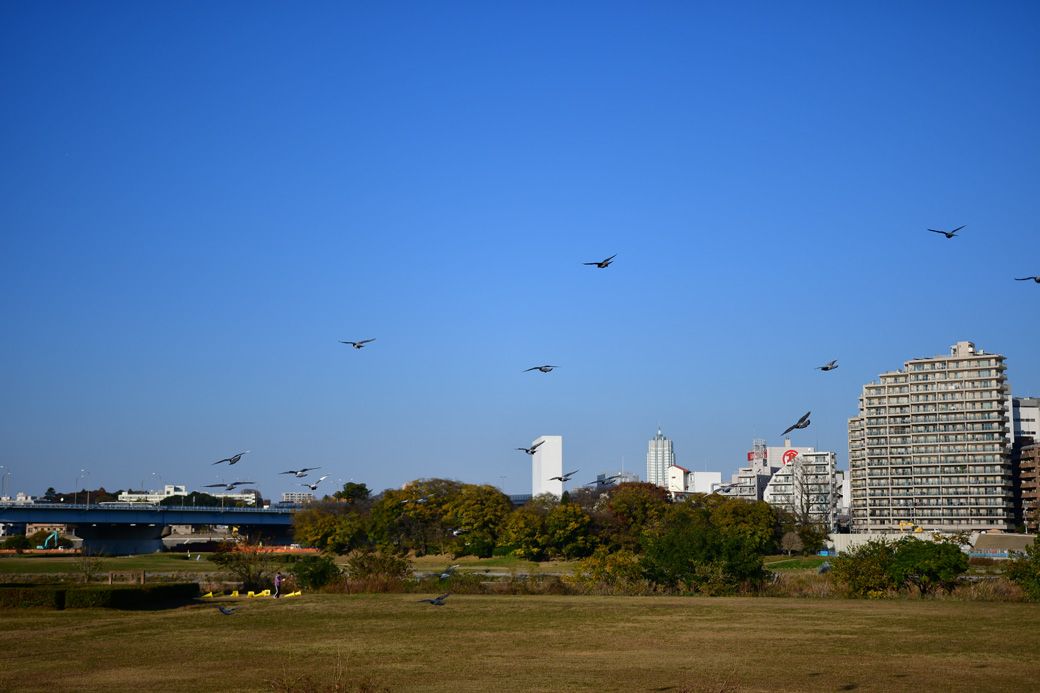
[277, 584]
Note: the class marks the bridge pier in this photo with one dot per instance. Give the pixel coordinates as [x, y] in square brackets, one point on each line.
[121, 539]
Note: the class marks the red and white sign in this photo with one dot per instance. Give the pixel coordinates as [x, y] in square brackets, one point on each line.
[788, 456]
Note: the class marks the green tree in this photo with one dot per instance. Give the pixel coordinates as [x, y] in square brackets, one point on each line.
[476, 515]
[18, 542]
[632, 508]
[567, 531]
[751, 522]
[686, 551]
[330, 529]
[1024, 570]
[356, 494]
[927, 565]
[524, 531]
[313, 572]
[866, 570]
[619, 571]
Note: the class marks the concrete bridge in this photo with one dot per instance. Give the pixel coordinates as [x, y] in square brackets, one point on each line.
[125, 528]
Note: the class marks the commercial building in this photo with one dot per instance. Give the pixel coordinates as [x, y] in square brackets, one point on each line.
[297, 497]
[547, 462]
[931, 445]
[659, 457]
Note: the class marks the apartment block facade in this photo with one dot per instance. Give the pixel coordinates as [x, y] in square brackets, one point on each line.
[931, 446]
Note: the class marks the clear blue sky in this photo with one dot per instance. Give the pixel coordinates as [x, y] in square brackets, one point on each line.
[198, 200]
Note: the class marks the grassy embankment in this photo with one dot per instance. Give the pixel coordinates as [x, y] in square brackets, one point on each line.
[532, 643]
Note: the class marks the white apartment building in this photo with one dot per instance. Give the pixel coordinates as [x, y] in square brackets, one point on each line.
[808, 486]
[547, 462]
[301, 497]
[659, 457]
[931, 446]
[1026, 417]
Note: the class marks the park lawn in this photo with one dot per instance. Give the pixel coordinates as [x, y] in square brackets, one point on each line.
[528, 643]
[794, 562]
[55, 565]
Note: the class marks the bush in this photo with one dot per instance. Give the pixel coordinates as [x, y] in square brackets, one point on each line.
[29, 596]
[247, 563]
[313, 572]
[364, 564]
[927, 565]
[136, 597]
[1024, 570]
[18, 542]
[617, 572]
[864, 570]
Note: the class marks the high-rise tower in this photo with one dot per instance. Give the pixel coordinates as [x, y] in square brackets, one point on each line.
[659, 457]
[546, 463]
[931, 446]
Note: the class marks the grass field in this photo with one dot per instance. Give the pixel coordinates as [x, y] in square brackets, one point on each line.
[11, 566]
[528, 643]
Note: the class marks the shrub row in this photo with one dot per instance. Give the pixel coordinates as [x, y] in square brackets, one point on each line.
[97, 596]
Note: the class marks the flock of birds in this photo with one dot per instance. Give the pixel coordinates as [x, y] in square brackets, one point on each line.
[297, 473]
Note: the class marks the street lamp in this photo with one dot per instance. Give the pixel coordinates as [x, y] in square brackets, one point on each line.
[82, 473]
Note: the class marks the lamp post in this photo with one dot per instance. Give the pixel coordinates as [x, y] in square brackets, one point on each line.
[82, 473]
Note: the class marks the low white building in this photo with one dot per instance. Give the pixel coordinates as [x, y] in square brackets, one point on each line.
[153, 496]
[682, 481]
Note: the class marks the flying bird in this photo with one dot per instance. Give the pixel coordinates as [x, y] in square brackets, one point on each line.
[229, 487]
[604, 482]
[802, 423]
[543, 369]
[226, 610]
[437, 601]
[829, 366]
[531, 450]
[358, 345]
[449, 571]
[1025, 279]
[602, 264]
[231, 460]
[314, 486]
[948, 234]
[300, 473]
[565, 478]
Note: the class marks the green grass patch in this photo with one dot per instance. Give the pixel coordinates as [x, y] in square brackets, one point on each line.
[497, 564]
[153, 563]
[794, 562]
[324, 642]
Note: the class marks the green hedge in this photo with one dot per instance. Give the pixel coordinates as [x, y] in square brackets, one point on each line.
[28, 596]
[98, 596]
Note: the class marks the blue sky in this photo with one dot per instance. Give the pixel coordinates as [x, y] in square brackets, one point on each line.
[197, 202]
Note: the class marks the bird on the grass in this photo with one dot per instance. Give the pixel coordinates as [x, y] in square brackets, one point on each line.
[358, 345]
[231, 460]
[602, 264]
[802, 423]
[226, 610]
[300, 473]
[565, 478]
[542, 369]
[948, 234]
[314, 486]
[437, 601]
[229, 487]
[829, 366]
[1025, 279]
[531, 450]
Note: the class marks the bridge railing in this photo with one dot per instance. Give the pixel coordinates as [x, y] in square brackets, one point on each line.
[144, 507]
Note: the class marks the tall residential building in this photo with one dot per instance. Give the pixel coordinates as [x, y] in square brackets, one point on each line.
[547, 462]
[808, 486]
[659, 457]
[1025, 460]
[931, 445]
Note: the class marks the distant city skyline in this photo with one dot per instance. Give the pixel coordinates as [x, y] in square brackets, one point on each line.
[199, 204]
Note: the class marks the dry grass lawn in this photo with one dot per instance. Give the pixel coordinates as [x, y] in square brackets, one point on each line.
[528, 643]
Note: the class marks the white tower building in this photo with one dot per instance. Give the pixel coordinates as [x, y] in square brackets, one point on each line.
[547, 462]
[659, 457]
